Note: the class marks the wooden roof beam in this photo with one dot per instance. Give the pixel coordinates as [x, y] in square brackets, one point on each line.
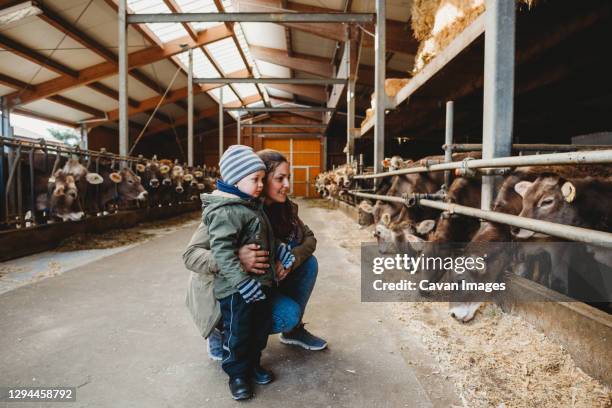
[106, 69]
[315, 92]
[312, 65]
[399, 35]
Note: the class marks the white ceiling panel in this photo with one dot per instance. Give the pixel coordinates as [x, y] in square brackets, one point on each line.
[265, 35]
[228, 95]
[226, 55]
[56, 110]
[273, 70]
[278, 93]
[162, 72]
[311, 44]
[23, 70]
[91, 98]
[136, 90]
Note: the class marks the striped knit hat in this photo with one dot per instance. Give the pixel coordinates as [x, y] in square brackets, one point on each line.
[237, 162]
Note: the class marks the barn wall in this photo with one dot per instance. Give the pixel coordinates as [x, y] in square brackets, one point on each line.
[101, 137]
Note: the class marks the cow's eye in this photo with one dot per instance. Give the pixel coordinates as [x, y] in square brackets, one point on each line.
[546, 202]
[130, 181]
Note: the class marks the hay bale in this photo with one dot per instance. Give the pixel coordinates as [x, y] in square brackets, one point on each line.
[444, 20]
[393, 85]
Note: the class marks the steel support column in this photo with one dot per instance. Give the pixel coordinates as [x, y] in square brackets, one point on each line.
[498, 89]
[123, 74]
[190, 110]
[448, 139]
[350, 105]
[5, 119]
[379, 85]
[220, 123]
[84, 137]
[238, 129]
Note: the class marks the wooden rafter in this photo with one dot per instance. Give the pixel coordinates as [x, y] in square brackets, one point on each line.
[103, 70]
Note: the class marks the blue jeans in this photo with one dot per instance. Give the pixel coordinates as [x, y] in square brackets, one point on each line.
[289, 303]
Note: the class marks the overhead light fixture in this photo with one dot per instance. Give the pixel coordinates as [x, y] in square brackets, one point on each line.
[19, 11]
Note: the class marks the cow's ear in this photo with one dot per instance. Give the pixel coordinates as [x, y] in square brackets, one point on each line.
[116, 177]
[425, 227]
[140, 168]
[521, 187]
[569, 191]
[366, 206]
[417, 243]
[94, 178]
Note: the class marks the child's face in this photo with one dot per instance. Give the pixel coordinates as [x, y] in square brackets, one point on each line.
[252, 184]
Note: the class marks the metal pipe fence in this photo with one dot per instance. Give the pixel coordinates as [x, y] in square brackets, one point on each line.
[570, 158]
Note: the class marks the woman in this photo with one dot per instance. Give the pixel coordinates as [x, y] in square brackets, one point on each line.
[295, 283]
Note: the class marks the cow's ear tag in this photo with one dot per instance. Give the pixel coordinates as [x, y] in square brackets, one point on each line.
[94, 178]
[521, 187]
[140, 168]
[52, 179]
[116, 177]
[569, 191]
[188, 177]
[386, 219]
[386, 163]
[164, 169]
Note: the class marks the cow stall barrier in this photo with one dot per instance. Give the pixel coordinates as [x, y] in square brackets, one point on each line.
[16, 151]
[475, 147]
[589, 236]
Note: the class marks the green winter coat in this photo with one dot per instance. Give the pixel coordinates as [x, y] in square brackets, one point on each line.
[200, 300]
[233, 222]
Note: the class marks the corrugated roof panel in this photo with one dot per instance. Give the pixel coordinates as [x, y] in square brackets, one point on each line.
[164, 31]
[198, 6]
[226, 54]
[245, 90]
[202, 67]
[228, 95]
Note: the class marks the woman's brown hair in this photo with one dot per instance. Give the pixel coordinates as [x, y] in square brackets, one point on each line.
[283, 216]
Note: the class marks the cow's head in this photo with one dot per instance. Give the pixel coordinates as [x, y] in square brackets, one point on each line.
[151, 175]
[548, 198]
[366, 213]
[177, 177]
[129, 186]
[64, 201]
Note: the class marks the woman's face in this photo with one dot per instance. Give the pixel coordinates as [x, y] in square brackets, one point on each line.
[277, 184]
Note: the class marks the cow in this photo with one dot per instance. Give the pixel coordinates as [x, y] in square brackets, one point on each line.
[117, 188]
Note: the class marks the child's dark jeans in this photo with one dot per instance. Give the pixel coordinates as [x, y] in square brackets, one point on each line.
[247, 326]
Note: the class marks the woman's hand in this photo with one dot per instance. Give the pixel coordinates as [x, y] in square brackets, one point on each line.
[281, 272]
[253, 259]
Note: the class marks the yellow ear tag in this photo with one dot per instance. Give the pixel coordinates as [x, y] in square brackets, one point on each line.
[116, 177]
[140, 168]
[188, 177]
[569, 191]
[164, 169]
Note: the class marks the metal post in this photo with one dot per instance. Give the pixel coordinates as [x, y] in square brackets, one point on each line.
[350, 104]
[84, 137]
[123, 74]
[220, 123]
[498, 88]
[6, 118]
[379, 86]
[190, 111]
[448, 139]
[238, 129]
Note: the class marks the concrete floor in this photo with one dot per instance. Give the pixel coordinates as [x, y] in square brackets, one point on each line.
[117, 329]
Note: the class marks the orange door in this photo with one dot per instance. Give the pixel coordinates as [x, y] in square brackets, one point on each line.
[304, 156]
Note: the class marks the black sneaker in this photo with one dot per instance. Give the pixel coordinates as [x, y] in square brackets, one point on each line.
[299, 336]
[240, 388]
[262, 376]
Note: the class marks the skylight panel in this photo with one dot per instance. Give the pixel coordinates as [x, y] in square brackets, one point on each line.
[199, 6]
[164, 31]
[202, 67]
[226, 54]
[228, 95]
[245, 90]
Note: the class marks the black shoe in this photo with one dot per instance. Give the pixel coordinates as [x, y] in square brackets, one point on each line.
[240, 388]
[262, 376]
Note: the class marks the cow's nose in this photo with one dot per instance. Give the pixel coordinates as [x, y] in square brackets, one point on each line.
[166, 182]
[154, 183]
[179, 189]
[376, 234]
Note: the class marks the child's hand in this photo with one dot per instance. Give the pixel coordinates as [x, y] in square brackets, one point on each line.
[284, 255]
[250, 290]
[281, 272]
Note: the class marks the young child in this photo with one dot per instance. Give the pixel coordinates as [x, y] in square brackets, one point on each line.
[235, 217]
